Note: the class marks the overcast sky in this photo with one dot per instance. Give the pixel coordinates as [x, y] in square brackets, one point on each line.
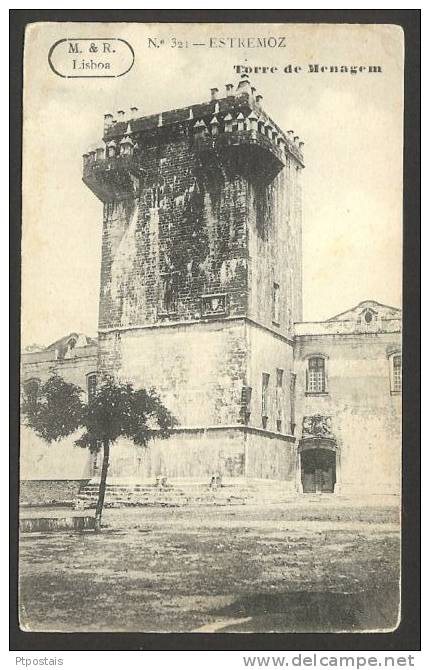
[351, 125]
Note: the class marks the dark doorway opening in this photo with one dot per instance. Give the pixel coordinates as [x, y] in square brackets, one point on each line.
[318, 470]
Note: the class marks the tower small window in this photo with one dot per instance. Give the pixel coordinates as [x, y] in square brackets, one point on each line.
[169, 293]
[157, 193]
[316, 375]
[264, 398]
[275, 304]
[279, 398]
[396, 373]
[91, 386]
[245, 404]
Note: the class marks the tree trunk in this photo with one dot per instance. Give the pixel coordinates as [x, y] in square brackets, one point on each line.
[102, 487]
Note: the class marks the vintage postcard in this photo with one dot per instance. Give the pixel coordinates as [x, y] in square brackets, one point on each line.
[211, 365]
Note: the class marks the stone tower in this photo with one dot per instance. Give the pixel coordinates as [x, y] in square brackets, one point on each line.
[201, 278]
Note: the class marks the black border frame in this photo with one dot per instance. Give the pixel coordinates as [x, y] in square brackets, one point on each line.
[407, 635]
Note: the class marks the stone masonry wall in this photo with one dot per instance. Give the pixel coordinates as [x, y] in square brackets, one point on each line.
[271, 456]
[198, 369]
[186, 224]
[187, 454]
[275, 249]
[269, 353]
[60, 460]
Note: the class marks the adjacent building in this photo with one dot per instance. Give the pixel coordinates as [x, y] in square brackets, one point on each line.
[55, 472]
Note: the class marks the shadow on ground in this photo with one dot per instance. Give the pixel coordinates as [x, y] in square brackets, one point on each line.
[304, 611]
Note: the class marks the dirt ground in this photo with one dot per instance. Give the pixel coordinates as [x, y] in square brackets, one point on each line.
[309, 566]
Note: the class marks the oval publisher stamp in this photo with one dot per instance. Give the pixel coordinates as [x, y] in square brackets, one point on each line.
[75, 57]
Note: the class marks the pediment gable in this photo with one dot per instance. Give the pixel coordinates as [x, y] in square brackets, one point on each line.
[371, 307]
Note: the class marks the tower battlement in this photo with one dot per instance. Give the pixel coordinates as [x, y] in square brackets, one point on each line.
[234, 129]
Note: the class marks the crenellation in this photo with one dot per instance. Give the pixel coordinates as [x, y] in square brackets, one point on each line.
[241, 103]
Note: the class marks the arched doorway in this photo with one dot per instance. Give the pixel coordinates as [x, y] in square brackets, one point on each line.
[318, 470]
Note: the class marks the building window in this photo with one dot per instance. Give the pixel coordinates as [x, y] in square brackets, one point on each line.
[91, 386]
[275, 304]
[264, 398]
[396, 373]
[279, 378]
[279, 425]
[368, 320]
[316, 375]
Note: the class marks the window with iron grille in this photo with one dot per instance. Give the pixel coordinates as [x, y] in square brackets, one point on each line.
[397, 374]
[91, 386]
[245, 403]
[292, 402]
[279, 398]
[316, 375]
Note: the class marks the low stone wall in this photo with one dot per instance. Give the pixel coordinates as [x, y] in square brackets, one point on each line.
[51, 524]
[34, 492]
